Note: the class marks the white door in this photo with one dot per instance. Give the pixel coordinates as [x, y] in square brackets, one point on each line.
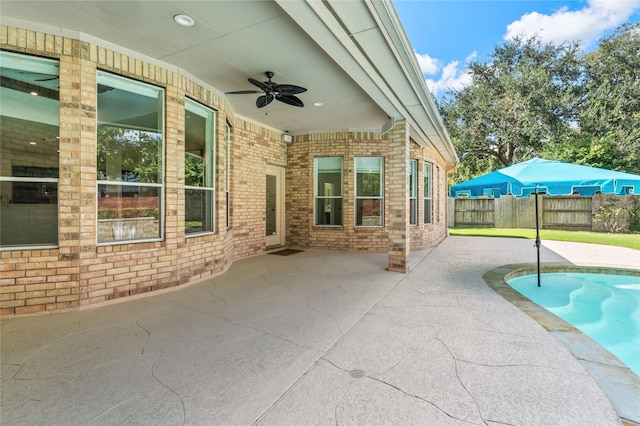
[274, 206]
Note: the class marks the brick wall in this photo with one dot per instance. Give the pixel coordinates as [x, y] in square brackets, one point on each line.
[79, 272]
[431, 234]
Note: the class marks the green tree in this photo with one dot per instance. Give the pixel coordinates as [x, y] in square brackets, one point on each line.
[519, 101]
[610, 116]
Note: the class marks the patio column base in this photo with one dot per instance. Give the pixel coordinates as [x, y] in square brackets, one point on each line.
[398, 261]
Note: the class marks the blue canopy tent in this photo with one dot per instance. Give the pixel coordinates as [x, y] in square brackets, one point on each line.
[540, 176]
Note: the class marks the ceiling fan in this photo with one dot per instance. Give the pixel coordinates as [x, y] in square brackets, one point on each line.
[271, 90]
[46, 77]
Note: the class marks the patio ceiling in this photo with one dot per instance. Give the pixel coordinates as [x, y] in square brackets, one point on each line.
[352, 56]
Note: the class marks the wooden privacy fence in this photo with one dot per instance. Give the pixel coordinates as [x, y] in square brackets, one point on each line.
[566, 212]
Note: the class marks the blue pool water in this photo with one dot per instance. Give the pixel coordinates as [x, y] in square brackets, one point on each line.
[604, 307]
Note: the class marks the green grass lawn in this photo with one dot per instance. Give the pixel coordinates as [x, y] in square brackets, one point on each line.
[621, 240]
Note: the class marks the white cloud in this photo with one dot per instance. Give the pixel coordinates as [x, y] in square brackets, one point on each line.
[585, 25]
[453, 78]
[428, 65]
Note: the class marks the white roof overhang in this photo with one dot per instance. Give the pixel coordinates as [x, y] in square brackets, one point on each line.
[353, 56]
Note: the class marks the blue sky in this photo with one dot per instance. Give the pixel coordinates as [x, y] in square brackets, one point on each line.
[446, 34]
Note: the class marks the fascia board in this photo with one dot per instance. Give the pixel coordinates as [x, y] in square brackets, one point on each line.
[420, 102]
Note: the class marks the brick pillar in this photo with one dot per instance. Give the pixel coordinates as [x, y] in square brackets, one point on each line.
[174, 166]
[70, 194]
[398, 197]
[85, 186]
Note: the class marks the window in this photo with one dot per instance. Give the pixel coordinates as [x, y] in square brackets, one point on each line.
[427, 192]
[413, 192]
[227, 188]
[369, 191]
[199, 162]
[328, 191]
[129, 160]
[437, 182]
[29, 132]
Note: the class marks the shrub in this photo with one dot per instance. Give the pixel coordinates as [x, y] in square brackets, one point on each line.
[611, 216]
[128, 213]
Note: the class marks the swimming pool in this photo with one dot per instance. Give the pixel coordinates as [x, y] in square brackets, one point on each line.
[605, 307]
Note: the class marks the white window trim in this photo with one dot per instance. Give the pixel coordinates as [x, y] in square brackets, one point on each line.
[429, 196]
[315, 190]
[380, 197]
[197, 106]
[413, 167]
[161, 213]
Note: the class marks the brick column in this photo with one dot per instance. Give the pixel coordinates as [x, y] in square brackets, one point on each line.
[85, 186]
[397, 188]
[69, 193]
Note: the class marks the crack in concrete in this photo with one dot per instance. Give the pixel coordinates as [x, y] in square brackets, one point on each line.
[144, 345]
[327, 314]
[153, 374]
[546, 367]
[455, 364]
[497, 422]
[112, 408]
[405, 393]
[248, 327]
[219, 298]
[13, 376]
[481, 321]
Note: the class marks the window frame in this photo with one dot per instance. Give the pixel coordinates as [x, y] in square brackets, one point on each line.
[413, 192]
[208, 157]
[227, 171]
[379, 197]
[428, 193]
[35, 65]
[141, 87]
[437, 193]
[317, 197]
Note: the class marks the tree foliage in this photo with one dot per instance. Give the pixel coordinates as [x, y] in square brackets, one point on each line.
[610, 115]
[539, 99]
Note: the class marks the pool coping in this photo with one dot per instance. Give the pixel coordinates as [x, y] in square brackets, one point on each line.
[620, 384]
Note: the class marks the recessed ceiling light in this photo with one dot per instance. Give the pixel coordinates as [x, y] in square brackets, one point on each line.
[34, 93]
[184, 20]
[318, 104]
[32, 143]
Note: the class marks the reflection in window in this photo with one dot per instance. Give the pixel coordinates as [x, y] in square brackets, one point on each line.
[129, 160]
[428, 181]
[29, 139]
[199, 161]
[328, 191]
[413, 192]
[369, 191]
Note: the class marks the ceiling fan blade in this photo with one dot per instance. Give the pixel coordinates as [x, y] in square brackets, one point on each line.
[265, 87]
[290, 99]
[289, 89]
[47, 79]
[244, 92]
[265, 100]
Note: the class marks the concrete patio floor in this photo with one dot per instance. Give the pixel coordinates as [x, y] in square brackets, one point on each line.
[317, 338]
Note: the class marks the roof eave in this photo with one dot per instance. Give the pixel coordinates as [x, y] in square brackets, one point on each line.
[370, 45]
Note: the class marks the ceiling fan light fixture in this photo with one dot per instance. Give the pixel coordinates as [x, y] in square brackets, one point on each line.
[184, 20]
